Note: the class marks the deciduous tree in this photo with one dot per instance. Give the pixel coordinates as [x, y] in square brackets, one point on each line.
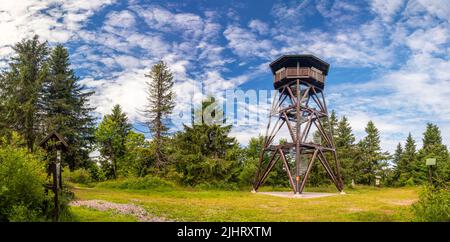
[111, 136]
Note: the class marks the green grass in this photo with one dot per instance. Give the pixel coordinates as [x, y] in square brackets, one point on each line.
[360, 204]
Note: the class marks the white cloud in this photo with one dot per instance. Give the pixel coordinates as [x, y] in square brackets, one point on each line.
[258, 26]
[246, 44]
[420, 40]
[127, 89]
[363, 46]
[438, 8]
[128, 62]
[53, 20]
[387, 9]
[288, 11]
[160, 19]
[340, 13]
[122, 20]
[399, 101]
[128, 51]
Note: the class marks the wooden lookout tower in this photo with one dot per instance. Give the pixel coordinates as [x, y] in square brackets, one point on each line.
[299, 105]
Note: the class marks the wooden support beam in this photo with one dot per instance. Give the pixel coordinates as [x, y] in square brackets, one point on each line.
[288, 168]
[308, 170]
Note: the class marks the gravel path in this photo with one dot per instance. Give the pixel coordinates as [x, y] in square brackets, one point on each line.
[130, 209]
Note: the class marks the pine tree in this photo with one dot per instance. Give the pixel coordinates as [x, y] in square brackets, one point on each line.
[66, 110]
[21, 86]
[160, 105]
[372, 155]
[433, 148]
[111, 136]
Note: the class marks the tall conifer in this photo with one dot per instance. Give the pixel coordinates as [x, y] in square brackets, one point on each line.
[433, 148]
[160, 104]
[21, 87]
[66, 109]
[371, 153]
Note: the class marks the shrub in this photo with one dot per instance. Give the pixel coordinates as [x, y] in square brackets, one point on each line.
[22, 176]
[171, 174]
[96, 172]
[433, 205]
[247, 174]
[196, 169]
[21, 213]
[142, 183]
[81, 176]
[410, 182]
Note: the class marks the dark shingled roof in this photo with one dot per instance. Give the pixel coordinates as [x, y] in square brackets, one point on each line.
[304, 61]
[53, 135]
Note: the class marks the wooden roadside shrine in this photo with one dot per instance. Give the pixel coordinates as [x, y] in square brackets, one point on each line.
[54, 144]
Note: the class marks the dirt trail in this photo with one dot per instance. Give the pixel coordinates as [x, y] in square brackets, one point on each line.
[130, 209]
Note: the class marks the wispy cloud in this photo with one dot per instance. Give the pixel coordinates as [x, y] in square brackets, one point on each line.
[244, 43]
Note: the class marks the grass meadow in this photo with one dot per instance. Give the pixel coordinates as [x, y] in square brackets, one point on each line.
[190, 204]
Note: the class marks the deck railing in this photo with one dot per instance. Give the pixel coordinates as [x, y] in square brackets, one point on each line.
[301, 72]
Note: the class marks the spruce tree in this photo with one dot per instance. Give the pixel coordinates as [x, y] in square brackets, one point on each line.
[408, 160]
[160, 104]
[333, 123]
[345, 148]
[208, 139]
[66, 110]
[344, 136]
[21, 87]
[204, 152]
[397, 155]
[433, 148]
[396, 160]
[372, 155]
[359, 168]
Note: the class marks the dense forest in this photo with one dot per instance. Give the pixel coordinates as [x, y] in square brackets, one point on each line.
[40, 93]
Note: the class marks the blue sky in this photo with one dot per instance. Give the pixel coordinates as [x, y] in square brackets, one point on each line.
[389, 58]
